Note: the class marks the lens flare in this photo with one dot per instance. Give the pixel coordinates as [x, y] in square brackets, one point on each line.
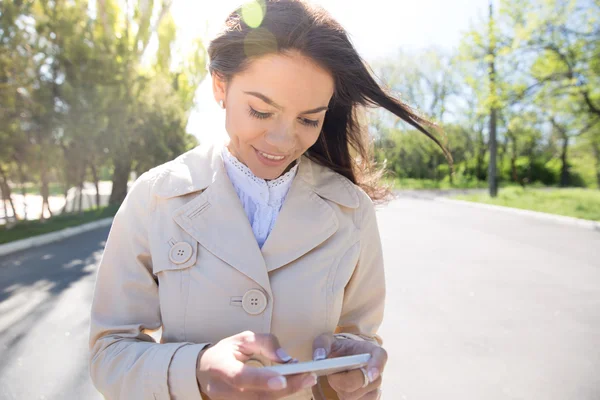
[253, 13]
[259, 42]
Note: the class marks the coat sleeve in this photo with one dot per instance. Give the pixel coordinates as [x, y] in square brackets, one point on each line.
[125, 361]
[364, 296]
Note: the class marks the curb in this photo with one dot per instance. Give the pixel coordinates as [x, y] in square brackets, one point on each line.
[582, 223]
[51, 237]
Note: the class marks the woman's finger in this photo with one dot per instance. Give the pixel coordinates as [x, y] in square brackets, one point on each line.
[347, 382]
[244, 390]
[360, 393]
[377, 362]
[252, 378]
[296, 383]
[264, 344]
[322, 346]
[372, 395]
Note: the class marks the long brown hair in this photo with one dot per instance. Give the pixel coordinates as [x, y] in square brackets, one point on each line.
[288, 25]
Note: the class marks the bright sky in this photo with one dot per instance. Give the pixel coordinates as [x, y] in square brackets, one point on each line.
[378, 28]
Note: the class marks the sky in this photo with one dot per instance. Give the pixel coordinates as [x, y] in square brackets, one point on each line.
[378, 28]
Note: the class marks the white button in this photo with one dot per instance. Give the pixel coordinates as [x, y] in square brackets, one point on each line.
[254, 302]
[180, 252]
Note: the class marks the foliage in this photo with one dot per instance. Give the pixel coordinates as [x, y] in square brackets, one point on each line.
[546, 88]
[578, 203]
[82, 94]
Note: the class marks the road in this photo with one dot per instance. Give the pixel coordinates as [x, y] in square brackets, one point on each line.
[480, 305]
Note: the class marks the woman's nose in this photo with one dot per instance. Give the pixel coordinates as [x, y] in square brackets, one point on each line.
[283, 138]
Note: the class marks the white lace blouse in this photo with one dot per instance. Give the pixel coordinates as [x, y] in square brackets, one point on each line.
[262, 200]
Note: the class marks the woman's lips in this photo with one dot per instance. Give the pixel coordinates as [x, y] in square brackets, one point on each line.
[271, 160]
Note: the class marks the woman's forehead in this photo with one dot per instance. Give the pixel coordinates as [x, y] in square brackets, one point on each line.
[291, 80]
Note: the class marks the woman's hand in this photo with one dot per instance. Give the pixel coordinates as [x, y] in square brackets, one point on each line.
[222, 375]
[351, 385]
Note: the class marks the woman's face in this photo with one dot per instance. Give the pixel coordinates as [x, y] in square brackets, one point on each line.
[274, 110]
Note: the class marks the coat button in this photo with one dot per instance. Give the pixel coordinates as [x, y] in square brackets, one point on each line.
[180, 252]
[254, 302]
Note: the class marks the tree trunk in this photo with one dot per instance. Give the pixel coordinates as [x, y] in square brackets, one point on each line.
[96, 183]
[23, 181]
[503, 152]
[120, 179]
[513, 161]
[493, 184]
[80, 205]
[44, 190]
[65, 194]
[530, 163]
[4, 206]
[480, 157]
[564, 171]
[596, 149]
[7, 196]
[81, 188]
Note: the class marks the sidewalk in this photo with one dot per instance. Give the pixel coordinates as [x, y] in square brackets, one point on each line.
[34, 202]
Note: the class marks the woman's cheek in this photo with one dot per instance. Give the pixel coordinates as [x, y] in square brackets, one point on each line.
[245, 127]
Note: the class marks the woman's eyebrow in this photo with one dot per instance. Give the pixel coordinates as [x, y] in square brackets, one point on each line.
[271, 102]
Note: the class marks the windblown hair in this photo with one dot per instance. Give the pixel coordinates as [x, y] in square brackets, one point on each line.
[294, 25]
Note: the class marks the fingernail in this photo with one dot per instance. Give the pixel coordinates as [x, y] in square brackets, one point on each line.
[277, 383]
[319, 354]
[373, 374]
[283, 355]
[309, 381]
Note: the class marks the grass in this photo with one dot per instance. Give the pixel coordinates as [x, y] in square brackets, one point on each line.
[26, 229]
[578, 203]
[55, 189]
[418, 184]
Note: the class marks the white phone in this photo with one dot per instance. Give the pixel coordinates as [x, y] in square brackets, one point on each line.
[324, 367]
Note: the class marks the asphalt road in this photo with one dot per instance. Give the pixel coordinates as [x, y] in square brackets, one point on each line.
[480, 305]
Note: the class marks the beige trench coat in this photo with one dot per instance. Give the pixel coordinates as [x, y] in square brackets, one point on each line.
[181, 256]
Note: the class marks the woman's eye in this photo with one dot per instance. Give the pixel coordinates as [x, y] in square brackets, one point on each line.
[258, 114]
[309, 122]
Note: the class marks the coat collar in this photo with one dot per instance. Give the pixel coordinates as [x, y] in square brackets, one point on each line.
[305, 212]
[197, 169]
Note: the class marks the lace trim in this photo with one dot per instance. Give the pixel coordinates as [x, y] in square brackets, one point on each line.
[246, 171]
[271, 192]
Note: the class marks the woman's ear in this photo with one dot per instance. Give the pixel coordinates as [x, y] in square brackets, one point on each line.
[219, 88]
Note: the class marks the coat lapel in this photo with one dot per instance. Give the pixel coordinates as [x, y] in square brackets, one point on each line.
[304, 222]
[217, 220]
[306, 219]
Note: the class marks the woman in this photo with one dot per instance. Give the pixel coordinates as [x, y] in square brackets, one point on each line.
[266, 243]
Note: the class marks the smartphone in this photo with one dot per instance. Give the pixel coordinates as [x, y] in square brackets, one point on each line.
[323, 367]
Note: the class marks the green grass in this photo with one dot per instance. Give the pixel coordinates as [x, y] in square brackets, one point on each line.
[578, 203]
[26, 229]
[418, 184]
[55, 189]
[408, 183]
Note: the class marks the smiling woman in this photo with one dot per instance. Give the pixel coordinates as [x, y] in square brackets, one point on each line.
[301, 65]
[267, 242]
[271, 119]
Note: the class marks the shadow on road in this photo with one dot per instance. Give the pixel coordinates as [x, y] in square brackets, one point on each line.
[32, 282]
